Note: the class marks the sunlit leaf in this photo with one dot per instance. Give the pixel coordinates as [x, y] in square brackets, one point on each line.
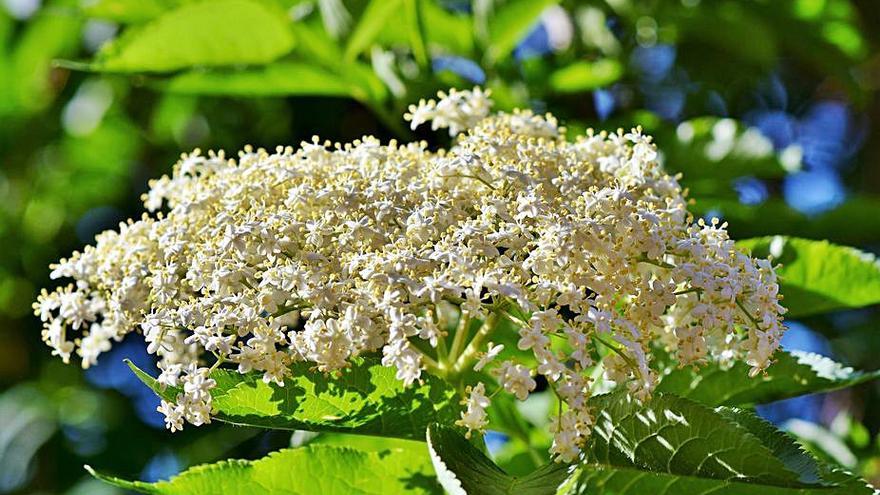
[326, 469]
[207, 34]
[367, 399]
[462, 469]
[27, 77]
[375, 18]
[672, 446]
[413, 18]
[127, 11]
[793, 373]
[277, 79]
[585, 76]
[817, 276]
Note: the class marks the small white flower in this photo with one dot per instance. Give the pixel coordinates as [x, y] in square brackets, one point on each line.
[491, 353]
[324, 253]
[474, 417]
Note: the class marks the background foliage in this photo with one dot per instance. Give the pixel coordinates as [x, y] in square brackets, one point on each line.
[768, 108]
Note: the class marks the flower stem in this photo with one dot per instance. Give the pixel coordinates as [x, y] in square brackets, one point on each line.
[615, 350]
[461, 330]
[467, 355]
[661, 264]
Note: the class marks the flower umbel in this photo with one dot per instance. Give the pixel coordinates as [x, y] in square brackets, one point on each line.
[332, 251]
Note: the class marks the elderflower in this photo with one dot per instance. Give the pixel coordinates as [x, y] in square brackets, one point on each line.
[578, 250]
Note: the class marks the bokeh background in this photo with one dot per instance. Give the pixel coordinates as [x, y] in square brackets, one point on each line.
[767, 107]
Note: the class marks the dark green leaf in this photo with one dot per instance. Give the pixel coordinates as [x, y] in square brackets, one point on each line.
[673, 446]
[794, 373]
[817, 276]
[463, 469]
[325, 469]
[677, 436]
[208, 34]
[367, 398]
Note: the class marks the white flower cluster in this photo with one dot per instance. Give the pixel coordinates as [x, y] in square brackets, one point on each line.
[575, 249]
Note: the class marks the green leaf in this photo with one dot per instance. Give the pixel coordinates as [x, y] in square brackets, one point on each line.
[452, 31]
[325, 469]
[376, 16]
[463, 469]
[794, 373]
[25, 69]
[678, 436]
[817, 276]
[511, 23]
[277, 79]
[209, 34]
[412, 14]
[853, 222]
[673, 446]
[367, 399]
[585, 76]
[719, 150]
[127, 11]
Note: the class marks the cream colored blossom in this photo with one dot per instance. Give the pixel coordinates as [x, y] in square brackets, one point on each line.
[327, 252]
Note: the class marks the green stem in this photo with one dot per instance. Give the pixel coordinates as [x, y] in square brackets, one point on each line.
[687, 291]
[461, 330]
[283, 310]
[467, 355]
[431, 365]
[661, 264]
[749, 315]
[442, 352]
[220, 360]
[616, 350]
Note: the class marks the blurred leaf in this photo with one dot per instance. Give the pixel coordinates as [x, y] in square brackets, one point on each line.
[325, 469]
[447, 31]
[366, 399]
[811, 45]
[462, 469]
[671, 445]
[854, 222]
[313, 44]
[817, 276]
[375, 18]
[29, 421]
[278, 79]
[412, 15]
[209, 34]
[46, 37]
[822, 441]
[585, 76]
[425, 22]
[719, 150]
[793, 373]
[128, 11]
[316, 47]
[171, 116]
[510, 23]
[729, 28]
